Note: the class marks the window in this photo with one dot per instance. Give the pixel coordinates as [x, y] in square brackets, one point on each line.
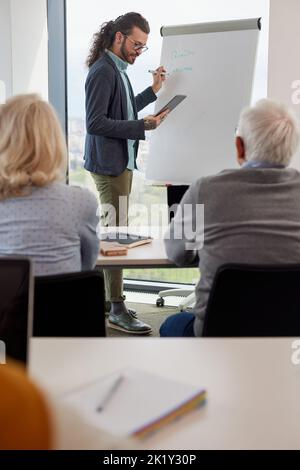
[84, 18]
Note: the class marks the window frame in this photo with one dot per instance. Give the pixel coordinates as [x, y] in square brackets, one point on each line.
[57, 62]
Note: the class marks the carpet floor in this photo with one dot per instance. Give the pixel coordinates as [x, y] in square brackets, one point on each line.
[150, 314]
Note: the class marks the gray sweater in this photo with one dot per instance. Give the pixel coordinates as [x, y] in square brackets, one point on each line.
[55, 226]
[250, 216]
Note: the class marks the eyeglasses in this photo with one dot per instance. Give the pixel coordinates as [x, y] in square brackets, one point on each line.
[136, 45]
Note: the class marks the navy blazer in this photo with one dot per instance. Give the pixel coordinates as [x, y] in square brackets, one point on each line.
[107, 125]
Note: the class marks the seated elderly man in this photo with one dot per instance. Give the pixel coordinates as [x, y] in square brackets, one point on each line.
[251, 214]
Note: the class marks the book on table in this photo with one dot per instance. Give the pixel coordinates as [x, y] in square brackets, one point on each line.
[134, 402]
[112, 249]
[129, 240]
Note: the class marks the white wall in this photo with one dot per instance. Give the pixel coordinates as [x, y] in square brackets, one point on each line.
[23, 30]
[284, 48]
[284, 55]
[5, 56]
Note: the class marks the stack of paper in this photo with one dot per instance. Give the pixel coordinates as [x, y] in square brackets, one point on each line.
[134, 402]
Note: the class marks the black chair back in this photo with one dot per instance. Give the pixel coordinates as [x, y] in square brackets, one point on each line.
[16, 297]
[248, 300]
[69, 305]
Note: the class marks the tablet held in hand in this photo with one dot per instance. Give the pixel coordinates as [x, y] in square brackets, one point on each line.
[175, 101]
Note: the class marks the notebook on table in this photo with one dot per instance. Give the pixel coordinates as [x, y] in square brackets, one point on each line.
[129, 240]
[112, 249]
[135, 402]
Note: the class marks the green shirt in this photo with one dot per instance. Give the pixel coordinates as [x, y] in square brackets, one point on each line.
[122, 67]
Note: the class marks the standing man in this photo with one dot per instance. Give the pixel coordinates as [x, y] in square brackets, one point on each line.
[113, 133]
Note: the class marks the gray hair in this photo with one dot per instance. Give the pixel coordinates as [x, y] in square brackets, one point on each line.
[270, 131]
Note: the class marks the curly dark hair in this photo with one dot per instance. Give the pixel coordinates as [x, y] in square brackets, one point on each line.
[104, 38]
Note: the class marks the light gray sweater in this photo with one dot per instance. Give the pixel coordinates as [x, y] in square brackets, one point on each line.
[250, 216]
[55, 226]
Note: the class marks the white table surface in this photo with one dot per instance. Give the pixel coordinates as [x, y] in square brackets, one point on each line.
[252, 385]
[149, 255]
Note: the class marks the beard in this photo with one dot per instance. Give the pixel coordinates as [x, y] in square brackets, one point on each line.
[127, 56]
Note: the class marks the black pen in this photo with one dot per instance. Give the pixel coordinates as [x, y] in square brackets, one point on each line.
[110, 392]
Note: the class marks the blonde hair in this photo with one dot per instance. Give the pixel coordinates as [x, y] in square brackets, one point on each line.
[270, 131]
[33, 150]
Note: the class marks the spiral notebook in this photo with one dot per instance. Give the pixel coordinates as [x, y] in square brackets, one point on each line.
[134, 402]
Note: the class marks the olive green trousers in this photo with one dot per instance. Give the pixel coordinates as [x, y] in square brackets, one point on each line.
[114, 197]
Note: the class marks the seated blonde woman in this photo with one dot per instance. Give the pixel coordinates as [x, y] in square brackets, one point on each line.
[40, 216]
